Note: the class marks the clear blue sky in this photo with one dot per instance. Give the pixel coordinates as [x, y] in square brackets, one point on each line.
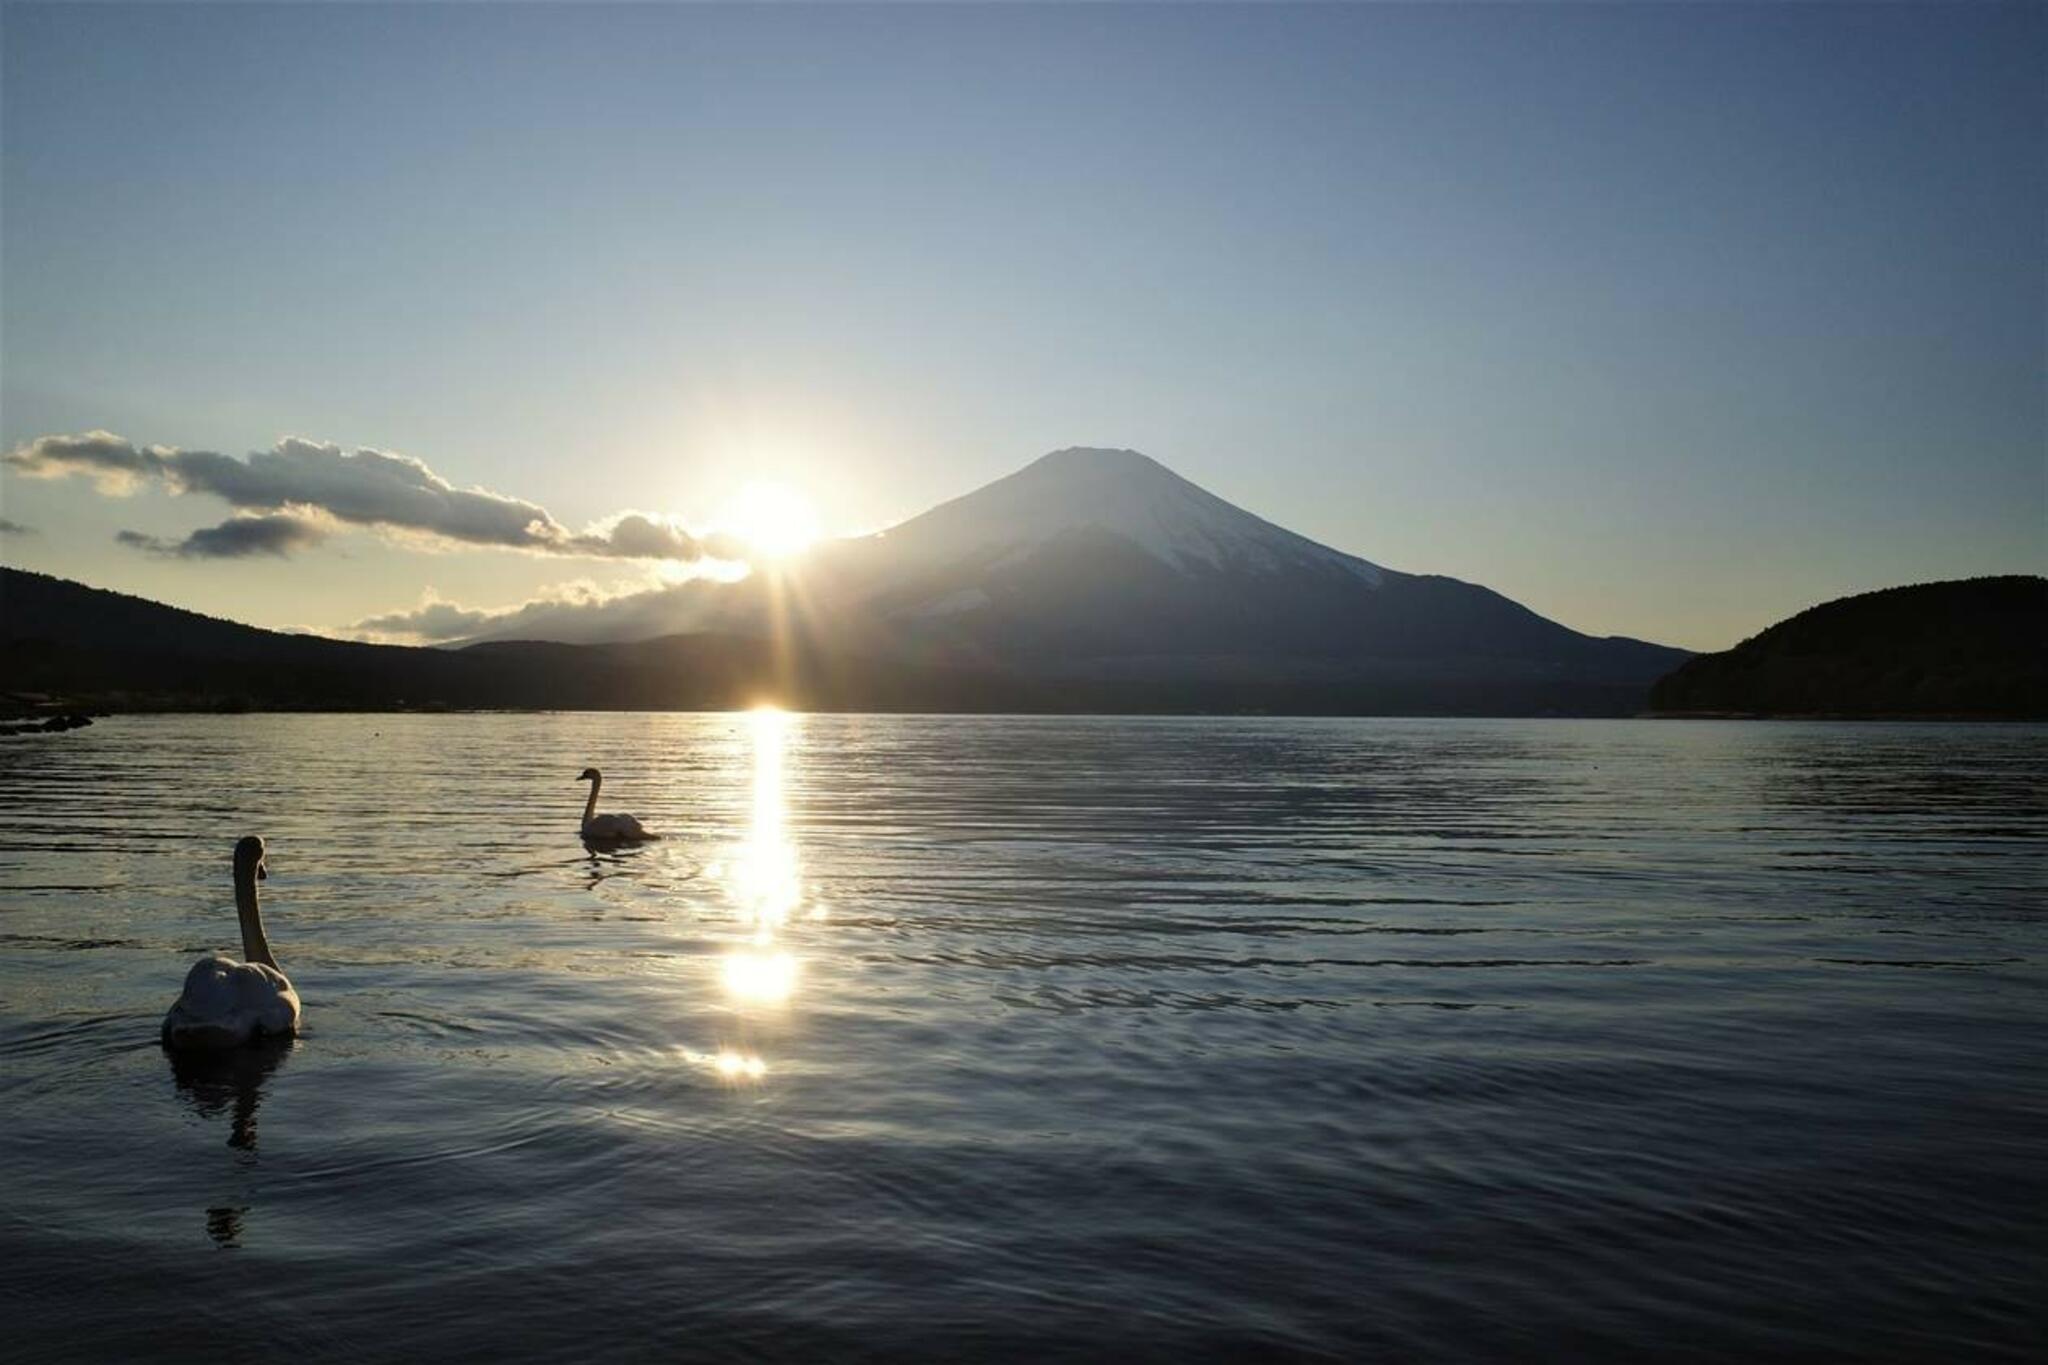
[1665, 320]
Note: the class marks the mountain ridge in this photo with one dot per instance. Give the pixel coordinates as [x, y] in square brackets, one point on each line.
[87, 648]
[1092, 577]
[1092, 555]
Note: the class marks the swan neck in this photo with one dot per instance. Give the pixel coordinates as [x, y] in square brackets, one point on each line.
[590, 806]
[255, 947]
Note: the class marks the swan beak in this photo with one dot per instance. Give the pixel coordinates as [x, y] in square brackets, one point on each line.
[262, 873]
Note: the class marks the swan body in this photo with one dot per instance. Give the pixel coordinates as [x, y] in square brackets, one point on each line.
[609, 829]
[226, 1003]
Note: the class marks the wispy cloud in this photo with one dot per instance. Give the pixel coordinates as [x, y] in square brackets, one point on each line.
[571, 611]
[433, 621]
[112, 463]
[371, 488]
[277, 533]
[15, 528]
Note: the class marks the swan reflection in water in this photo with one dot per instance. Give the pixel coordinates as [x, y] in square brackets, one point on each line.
[229, 1081]
[224, 1224]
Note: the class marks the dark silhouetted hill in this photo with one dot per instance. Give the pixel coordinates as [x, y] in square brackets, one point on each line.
[109, 651]
[117, 652]
[1972, 647]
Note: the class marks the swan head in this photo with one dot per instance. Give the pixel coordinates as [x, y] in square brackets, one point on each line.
[588, 775]
[249, 858]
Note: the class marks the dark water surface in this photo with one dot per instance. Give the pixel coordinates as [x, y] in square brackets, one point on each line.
[1112, 1039]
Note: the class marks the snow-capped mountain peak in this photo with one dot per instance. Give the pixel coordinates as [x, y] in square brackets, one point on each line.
[1122, 493]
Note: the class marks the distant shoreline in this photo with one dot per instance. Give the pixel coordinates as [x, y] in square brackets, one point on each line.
[23, 726]
[1945, 717]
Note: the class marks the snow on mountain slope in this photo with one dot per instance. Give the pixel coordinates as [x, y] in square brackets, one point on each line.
[1120, 492]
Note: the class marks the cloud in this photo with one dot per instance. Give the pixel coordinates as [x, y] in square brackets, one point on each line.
[363, 487]
[115, 465]
[15, 528]
[577, 613]
[433, 620]
[236, 538]
[636, 535]
[581, 610]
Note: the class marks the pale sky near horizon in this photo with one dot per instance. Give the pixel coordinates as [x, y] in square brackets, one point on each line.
[1666, 321]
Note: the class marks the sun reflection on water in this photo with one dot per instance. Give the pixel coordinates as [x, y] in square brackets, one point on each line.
[763, 875]
[763, 879]
[737, 1066]
[760, 978]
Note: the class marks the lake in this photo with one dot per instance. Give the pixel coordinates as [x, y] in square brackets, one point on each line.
[951, 1038]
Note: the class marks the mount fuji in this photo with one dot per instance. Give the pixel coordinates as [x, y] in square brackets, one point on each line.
[1101, 577]
[1089, 580]
[1105, 563]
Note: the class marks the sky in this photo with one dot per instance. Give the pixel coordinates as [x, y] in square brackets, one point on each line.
[1666, 321]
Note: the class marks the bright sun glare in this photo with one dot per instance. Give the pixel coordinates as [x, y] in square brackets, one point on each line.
[772, 518]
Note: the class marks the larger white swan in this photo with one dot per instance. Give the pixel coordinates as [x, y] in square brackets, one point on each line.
[227, 1003]
[608, 829]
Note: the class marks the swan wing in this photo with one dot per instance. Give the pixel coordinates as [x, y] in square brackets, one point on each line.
[615, 827]
[268, 998]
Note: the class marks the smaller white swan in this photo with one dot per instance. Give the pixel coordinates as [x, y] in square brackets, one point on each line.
[608, 829]
[227, 1003]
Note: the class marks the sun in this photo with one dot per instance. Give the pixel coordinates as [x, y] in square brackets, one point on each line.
[772, 518]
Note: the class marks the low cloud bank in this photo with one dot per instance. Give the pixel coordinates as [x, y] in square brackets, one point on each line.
[297, 480]
[432, 622]
[277, 534]
[575, 613]
[567, 611]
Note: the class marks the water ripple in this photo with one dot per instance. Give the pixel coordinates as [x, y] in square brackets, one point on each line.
[928, 1038]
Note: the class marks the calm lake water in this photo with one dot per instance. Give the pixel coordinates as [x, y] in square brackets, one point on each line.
[957, 1038]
